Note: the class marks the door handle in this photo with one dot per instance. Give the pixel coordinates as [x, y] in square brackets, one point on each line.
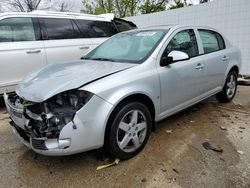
[84, 47]
[199, 66]
[33, 51]
[225, 58]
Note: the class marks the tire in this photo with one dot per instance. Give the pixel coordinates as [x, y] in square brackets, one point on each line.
[229, 89]
[129, 131]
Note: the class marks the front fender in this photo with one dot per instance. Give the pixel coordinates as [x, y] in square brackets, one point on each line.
[115, 88]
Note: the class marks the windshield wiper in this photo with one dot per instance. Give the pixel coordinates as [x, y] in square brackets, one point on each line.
[102, 59]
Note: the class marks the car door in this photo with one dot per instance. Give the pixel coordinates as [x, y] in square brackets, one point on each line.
[63, 40]
[180, 81]
[21, 50]
[215, 60]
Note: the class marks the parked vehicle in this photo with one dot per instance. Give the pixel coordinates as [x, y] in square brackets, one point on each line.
[114, 96]
[29, 41]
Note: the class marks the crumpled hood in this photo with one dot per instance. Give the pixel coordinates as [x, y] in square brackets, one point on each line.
[56, 78]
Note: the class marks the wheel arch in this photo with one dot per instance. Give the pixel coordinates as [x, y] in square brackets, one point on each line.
[234, 68]
[137, 97]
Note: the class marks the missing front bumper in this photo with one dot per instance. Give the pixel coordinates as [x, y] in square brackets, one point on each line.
[40, 143]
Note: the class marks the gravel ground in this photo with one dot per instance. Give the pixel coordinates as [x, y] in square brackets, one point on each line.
[173, 157]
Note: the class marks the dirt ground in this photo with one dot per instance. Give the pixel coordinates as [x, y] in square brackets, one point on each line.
[173, 157]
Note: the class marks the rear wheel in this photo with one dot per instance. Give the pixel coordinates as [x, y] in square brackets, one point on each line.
[229, 89]
[129, 131]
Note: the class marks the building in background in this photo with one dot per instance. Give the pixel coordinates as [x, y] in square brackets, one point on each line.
[230, 17]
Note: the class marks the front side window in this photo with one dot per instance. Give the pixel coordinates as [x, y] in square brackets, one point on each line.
[16, 30]
[211, 41]
[131, 47]
[184, 41]
[58, 28]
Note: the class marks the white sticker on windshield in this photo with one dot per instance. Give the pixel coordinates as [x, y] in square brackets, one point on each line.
[146, 34]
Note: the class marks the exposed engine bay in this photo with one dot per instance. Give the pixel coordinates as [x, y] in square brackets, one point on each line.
[46, 119]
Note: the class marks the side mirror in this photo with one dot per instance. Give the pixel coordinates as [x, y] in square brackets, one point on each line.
[166, 60]
[172, 57]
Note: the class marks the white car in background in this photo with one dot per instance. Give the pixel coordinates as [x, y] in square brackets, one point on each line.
[29, 41]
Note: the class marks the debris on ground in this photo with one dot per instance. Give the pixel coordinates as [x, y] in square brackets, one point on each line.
[176, 171]
[169, 131]
[242, 127]
[240, 152]
[234, 110]
[144, 180]
[217, 149]
[223, 128]
[225, 115]
[108, 165]
[208, 146]
[192, 121]
[163, 170]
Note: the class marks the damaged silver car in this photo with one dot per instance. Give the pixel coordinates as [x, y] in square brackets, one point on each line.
[112, 97]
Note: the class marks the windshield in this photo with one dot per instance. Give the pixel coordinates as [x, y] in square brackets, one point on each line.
[133, 46]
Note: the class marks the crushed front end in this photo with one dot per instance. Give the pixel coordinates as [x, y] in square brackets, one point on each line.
[53, 127]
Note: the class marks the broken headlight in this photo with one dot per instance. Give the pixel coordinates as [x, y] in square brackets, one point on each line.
[73, 98]
[65, 105]
[57, 111]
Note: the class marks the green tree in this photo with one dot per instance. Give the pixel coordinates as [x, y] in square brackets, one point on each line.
[120, 8]
[150, 6]
[97, 7]
[177, 4]
[123, 8]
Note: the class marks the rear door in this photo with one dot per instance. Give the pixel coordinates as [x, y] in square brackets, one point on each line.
[215, 60]
[63, 40]
[21, 50]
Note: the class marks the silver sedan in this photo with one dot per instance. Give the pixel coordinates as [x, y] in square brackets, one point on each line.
[115, 94]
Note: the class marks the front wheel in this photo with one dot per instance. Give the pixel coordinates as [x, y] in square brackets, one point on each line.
[229, 89]
[129, 131]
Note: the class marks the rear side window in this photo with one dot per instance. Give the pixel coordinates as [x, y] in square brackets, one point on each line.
[184, 41]
[123, 25]
[211, 41]
[96, 29]
[17, 29]
[58, 28]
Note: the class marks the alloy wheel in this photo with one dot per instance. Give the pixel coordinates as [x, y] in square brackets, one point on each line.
[132, 131]
[231, 86]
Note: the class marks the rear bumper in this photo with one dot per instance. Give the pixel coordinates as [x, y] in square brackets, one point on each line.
[85, 132]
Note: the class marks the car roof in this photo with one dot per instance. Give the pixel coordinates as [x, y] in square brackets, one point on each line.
[172, 28]
[175, 26]
[56, 15]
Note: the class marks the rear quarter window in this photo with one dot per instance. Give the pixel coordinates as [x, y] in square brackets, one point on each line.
[211, 40]
[96, 29]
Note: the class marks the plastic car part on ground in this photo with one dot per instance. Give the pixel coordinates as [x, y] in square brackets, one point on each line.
[208, 146]
[116, 161]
